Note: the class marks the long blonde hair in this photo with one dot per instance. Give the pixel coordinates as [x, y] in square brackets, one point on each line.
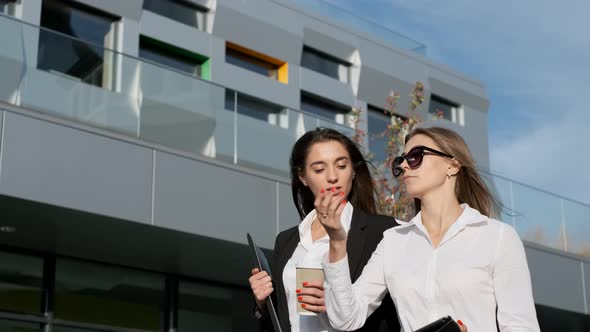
[470, 187]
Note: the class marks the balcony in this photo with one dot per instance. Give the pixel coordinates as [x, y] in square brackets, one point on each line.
[56, 74]
[144, 100]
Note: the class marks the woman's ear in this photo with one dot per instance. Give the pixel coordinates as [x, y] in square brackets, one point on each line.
[302, 178]
[454, 167]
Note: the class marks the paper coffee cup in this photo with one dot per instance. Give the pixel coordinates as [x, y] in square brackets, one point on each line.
[307, 274]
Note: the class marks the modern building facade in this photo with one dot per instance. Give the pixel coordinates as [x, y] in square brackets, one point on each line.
[141, 140]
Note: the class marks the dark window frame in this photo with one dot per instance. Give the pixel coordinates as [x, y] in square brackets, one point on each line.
[322, 56]
[171, 51]
[450, 114]
[321, 107]
[157, 6]
[92, 61]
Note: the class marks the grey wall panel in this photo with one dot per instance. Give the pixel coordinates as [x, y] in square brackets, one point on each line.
[327, 87]
[401, 64]
[127, 8]
[328, 44]
[175, 33]
[288, 216]
[548, 270]
[256, 34]
[209, 200]
[53, 93]
[375, 86]
[58, 165]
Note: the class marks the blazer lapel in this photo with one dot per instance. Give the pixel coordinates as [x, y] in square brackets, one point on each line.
[356, 242]
[287, 251]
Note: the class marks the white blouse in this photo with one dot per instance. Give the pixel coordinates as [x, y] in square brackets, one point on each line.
[479, 264]
[309, 254]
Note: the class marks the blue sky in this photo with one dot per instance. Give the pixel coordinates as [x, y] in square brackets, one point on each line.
[533, 57]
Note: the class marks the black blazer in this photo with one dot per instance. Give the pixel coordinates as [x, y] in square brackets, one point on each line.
[366, 231]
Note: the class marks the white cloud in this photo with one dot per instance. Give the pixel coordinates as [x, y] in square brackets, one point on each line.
[554, 157]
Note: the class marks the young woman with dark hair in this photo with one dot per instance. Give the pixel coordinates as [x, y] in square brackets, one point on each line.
[328, 171]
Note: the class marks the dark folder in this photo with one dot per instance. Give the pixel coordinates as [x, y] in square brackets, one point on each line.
[445, 324]
[261, 263]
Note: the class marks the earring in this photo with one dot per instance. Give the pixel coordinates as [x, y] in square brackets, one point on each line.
[449, 176]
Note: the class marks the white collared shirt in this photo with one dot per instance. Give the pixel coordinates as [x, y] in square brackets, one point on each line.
[309, 254]
[479, 264]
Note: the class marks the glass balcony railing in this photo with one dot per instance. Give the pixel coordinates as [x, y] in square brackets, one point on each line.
[56, 74]
[93, 85]
[348, 18]
[542, 217]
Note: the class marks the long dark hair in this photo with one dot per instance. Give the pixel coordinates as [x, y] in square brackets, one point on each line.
[470, 187]
[362, 193]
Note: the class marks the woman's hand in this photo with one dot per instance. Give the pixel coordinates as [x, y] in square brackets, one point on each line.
[462, 326]
[329, 206]
[311, 296]
[261, 285]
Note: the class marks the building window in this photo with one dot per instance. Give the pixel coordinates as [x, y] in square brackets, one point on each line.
[324, 108]
[325, 64]
[20, 283]
[204, 307]
[445, 109]
[256, 62]
[174, 57]
[108, 296]
[79, 49]
[256, 108]
[377, 122]
[181, 11]
[7, 7]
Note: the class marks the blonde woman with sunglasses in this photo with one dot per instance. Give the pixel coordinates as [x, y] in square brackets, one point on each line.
[451, 259]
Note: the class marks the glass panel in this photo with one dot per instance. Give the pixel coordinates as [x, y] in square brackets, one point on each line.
[12, 326]
[21, 279]
[178, 10]
[271, 127]
[323, 63]
[542, 226]
[577, 226]
[355, 21]
[170, 56]
[178, 110]
[11, 58]
[204, 308]
[71, 58]
[501, 190]
[92, 293]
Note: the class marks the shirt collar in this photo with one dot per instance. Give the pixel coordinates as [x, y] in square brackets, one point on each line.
[467, 217]
[305, 225]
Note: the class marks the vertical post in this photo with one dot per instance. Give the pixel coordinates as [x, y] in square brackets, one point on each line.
[170, 310]
[563, 228]
[512, 206]
[48, 291]
[235, 127]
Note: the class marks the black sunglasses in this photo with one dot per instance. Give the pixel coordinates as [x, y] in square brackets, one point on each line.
[414, 158]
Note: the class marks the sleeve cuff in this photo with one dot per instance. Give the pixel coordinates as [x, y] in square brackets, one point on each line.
[337, 274]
